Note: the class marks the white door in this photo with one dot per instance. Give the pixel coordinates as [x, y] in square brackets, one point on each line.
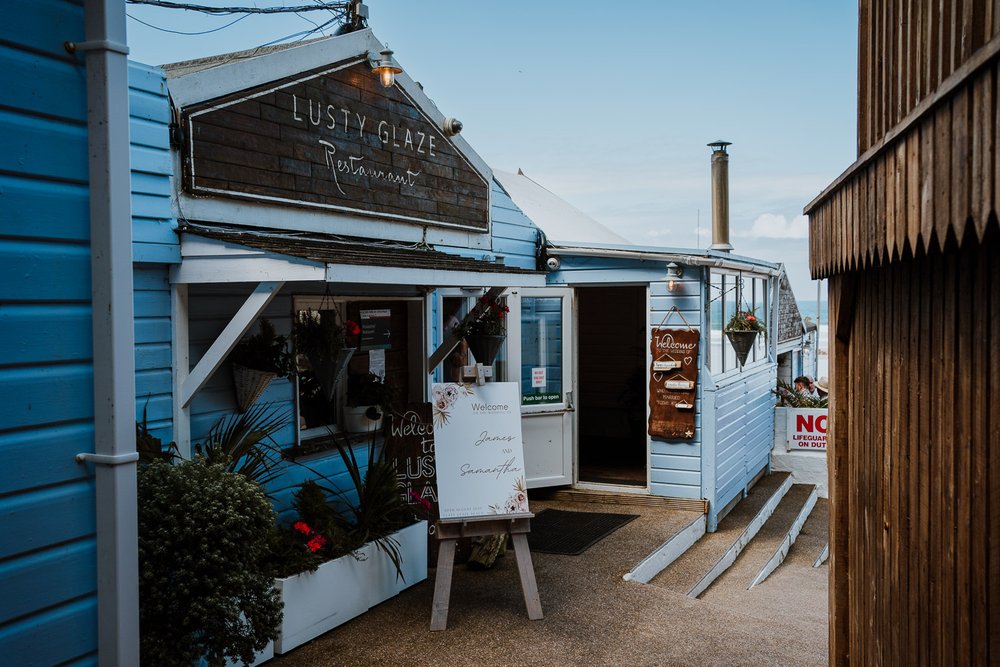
[541, 326]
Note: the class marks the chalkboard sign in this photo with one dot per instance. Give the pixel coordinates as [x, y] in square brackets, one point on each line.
[478, 450]
[410, 446]
[333, 139]
[673, 382]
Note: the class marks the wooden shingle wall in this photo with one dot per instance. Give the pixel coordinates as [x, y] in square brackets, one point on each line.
[915, 460]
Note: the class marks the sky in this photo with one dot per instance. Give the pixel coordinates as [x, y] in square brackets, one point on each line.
[610, 105]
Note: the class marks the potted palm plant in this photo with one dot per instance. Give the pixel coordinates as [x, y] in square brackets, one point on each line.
[742, 331]
[256, 361]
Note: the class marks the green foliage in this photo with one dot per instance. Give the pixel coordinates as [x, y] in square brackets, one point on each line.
[488, 319]
[264, 351]
[320, 534]
[204, 589]
[746, 320]
[790, 398]
[244, 443]
[318, 333]
[150, 447]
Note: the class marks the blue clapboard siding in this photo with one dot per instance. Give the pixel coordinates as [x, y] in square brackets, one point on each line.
[153, 237]
[47, 554]
[514, 236]
[155, 246]
[675, 465]
[744, 432]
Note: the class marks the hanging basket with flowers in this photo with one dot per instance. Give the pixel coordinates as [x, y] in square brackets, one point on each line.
[485, 334]
[256, 360]
[742, 331]
[326, 344]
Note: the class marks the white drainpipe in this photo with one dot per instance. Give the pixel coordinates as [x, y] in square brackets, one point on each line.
[114, 365]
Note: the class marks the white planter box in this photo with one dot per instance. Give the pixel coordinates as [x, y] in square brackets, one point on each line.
[316, 602]
[383, 580]
[341, 589]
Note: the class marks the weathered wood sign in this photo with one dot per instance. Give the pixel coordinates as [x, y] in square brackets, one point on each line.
[478, 450]
[673, 382]
[333, 139]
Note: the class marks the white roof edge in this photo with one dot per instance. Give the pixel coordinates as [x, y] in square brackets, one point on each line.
[698, 256]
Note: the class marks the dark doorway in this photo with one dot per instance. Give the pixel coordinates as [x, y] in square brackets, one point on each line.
[611, 323]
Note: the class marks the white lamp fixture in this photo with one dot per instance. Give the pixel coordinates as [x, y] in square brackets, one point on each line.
[384, 66]
[674, 273]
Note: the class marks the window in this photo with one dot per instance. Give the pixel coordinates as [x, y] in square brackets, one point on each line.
[541, 350]
[455, 305]
[730, 292]
[389, 343]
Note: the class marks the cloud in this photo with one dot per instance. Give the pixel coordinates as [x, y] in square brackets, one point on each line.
[771, 226]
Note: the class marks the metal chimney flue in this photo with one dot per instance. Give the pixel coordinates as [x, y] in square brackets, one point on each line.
[720, 196]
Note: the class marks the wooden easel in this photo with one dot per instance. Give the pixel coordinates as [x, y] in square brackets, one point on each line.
[450, 530]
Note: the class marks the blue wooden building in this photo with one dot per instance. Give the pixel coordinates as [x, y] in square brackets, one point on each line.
[617, 294]
[67, 490]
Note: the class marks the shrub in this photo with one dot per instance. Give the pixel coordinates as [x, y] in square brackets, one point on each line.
[204, 589]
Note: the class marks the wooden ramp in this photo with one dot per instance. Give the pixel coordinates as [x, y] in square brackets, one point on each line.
[710, 556]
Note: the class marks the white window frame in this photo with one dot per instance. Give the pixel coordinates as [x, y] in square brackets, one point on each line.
[339, 302]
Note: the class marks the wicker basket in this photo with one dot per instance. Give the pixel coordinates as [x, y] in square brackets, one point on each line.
[250, 384]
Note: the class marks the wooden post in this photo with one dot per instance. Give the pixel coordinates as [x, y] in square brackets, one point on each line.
[449, 530]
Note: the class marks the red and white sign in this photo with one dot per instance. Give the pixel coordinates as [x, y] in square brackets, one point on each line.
[807, 429]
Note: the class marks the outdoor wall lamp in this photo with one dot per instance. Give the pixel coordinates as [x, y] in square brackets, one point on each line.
[674, 273]
[384, 66]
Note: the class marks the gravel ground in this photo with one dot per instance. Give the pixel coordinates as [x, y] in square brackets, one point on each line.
[592, 616]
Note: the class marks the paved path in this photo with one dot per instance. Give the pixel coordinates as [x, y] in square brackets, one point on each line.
[592, 616]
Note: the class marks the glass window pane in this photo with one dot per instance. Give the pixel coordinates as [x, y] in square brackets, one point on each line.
[716, 323]
[453, 309]
[317, 404]
[730, 302]
[761, 310]
[541, 350]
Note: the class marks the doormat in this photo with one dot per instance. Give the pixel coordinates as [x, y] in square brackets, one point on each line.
[572, 533]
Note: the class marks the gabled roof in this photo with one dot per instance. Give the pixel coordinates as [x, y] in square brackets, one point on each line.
[560, 220]
[790, 325]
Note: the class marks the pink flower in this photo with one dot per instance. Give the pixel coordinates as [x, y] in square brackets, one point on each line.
[352, 327]
[301, 527]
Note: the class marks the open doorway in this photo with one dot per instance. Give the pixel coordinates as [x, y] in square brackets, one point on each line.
[611, 362]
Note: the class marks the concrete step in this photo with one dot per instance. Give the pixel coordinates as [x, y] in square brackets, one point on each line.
[771, 544]
[710, 556]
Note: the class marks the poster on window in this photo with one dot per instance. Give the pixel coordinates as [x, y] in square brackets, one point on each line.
[478, 450]
[673, 383]
[375, 326]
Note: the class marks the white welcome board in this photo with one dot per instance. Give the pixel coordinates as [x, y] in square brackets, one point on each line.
[478, 450]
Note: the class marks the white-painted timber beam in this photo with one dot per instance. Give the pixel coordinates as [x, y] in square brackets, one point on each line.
[217, 352]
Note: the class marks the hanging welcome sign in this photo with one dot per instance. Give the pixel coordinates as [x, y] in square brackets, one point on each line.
[478, 450]
[673, 381]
